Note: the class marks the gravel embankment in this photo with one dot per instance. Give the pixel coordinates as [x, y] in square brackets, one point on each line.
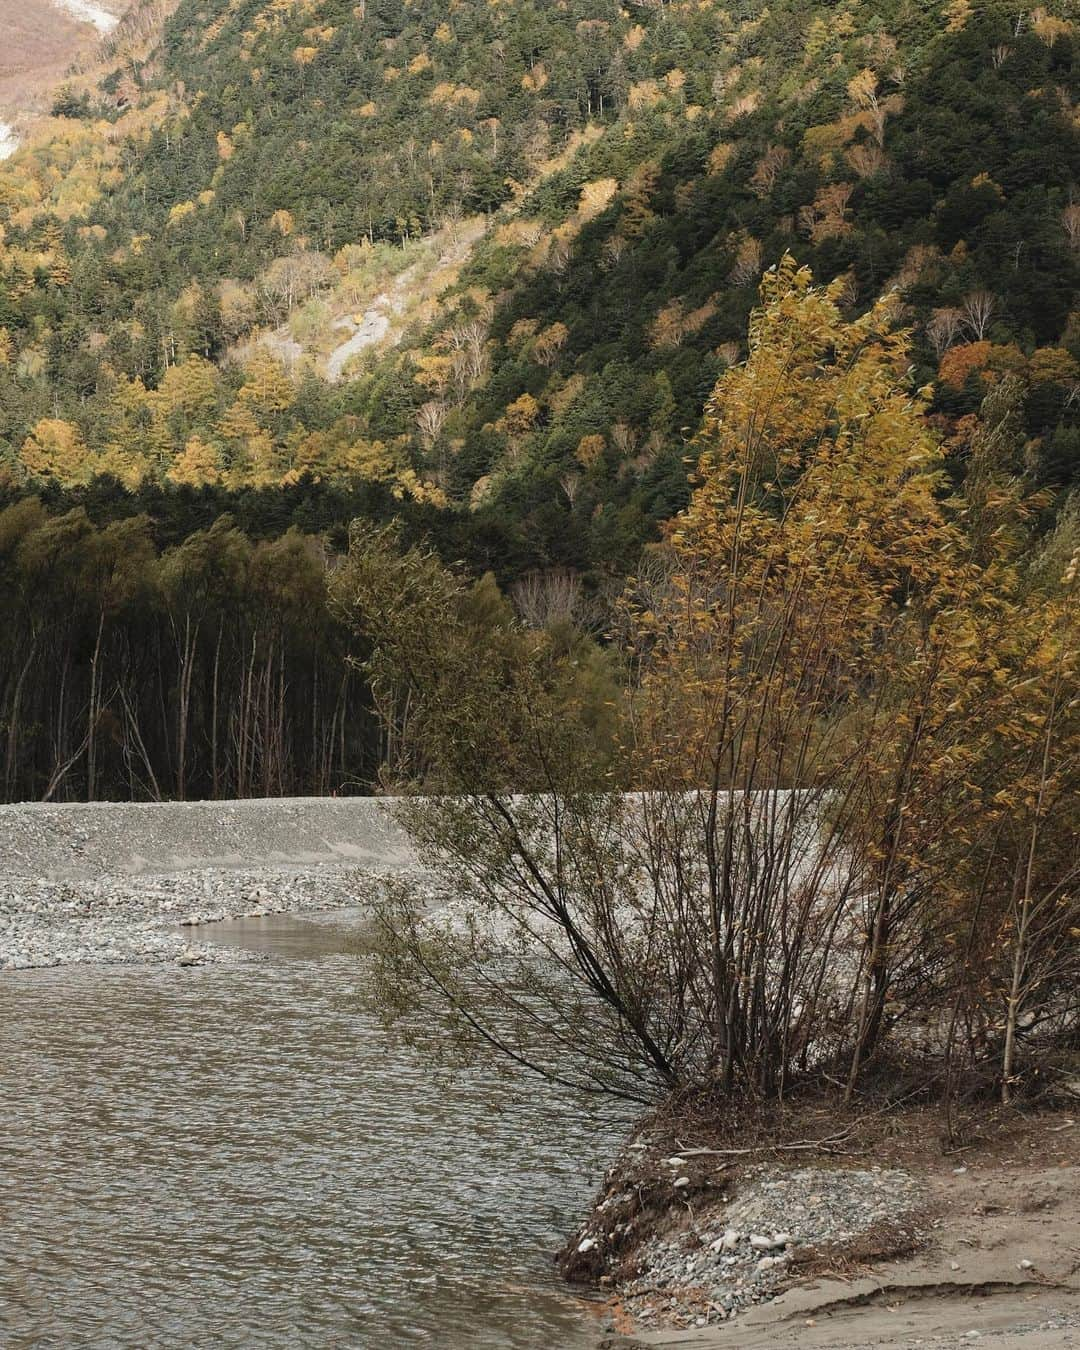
[692, 1240]
[112, 883]
[742, 1255]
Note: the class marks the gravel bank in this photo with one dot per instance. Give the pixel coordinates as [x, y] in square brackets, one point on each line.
[998, 1267]
[115, 838]
[113, 883]
[744, 1254]
[695, 1255]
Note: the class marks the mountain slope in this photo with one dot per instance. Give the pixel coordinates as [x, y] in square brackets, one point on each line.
[274, 168]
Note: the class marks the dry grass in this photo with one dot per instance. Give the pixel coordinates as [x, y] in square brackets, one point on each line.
[39, 45]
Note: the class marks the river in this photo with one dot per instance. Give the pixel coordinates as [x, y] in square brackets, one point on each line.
[239, 1156]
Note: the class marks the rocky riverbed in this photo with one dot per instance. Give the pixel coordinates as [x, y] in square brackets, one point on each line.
[987, 1257]
[111, 884]
[137, 920]
[698, 1235]
[818, 1229]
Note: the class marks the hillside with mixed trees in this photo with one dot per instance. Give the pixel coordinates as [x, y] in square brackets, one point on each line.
[551, 220]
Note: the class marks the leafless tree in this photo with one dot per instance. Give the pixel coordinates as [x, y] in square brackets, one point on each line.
[467, 343]
[550, 343]
[768, 169]
[544, 598]
[747, 262]
[430, 418]
[613, 250]
[290, 280]
[977, 312]
[1070, 223]
[944, 328]
[867, 158]
[624, 438]
[729, 353]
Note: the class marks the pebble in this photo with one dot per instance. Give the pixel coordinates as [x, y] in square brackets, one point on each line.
[115, 882]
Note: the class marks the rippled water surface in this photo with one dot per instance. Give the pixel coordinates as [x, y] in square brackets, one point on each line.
[229, 1156]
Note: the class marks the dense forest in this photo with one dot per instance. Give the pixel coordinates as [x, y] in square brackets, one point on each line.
[548, 223]
[210, 669]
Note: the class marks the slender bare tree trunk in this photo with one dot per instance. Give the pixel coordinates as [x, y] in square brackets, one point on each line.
[1024, 918]
[92, 714]
[134, 734]
[13, 725]
[183, 702]
[215, 776]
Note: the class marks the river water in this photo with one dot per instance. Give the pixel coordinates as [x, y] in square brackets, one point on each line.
[239, 1156]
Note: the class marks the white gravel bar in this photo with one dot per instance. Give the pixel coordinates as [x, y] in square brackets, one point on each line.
[114, 882]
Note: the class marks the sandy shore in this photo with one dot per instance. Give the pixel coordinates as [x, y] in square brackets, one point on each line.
[892, 1238]
[999, 1269]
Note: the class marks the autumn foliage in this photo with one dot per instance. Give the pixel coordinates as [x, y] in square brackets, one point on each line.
[850, 724]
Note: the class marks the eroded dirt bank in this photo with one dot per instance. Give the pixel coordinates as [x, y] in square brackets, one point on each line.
[886, 1235]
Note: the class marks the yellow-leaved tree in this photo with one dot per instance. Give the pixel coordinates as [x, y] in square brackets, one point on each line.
[849, 701]
[55, 449]
[778, 666]
[838, 639]
[196, 466]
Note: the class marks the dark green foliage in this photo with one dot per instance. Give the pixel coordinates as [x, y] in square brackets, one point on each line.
[981, 157]
[205, 668]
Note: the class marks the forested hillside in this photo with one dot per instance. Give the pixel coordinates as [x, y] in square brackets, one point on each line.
[539, 228]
